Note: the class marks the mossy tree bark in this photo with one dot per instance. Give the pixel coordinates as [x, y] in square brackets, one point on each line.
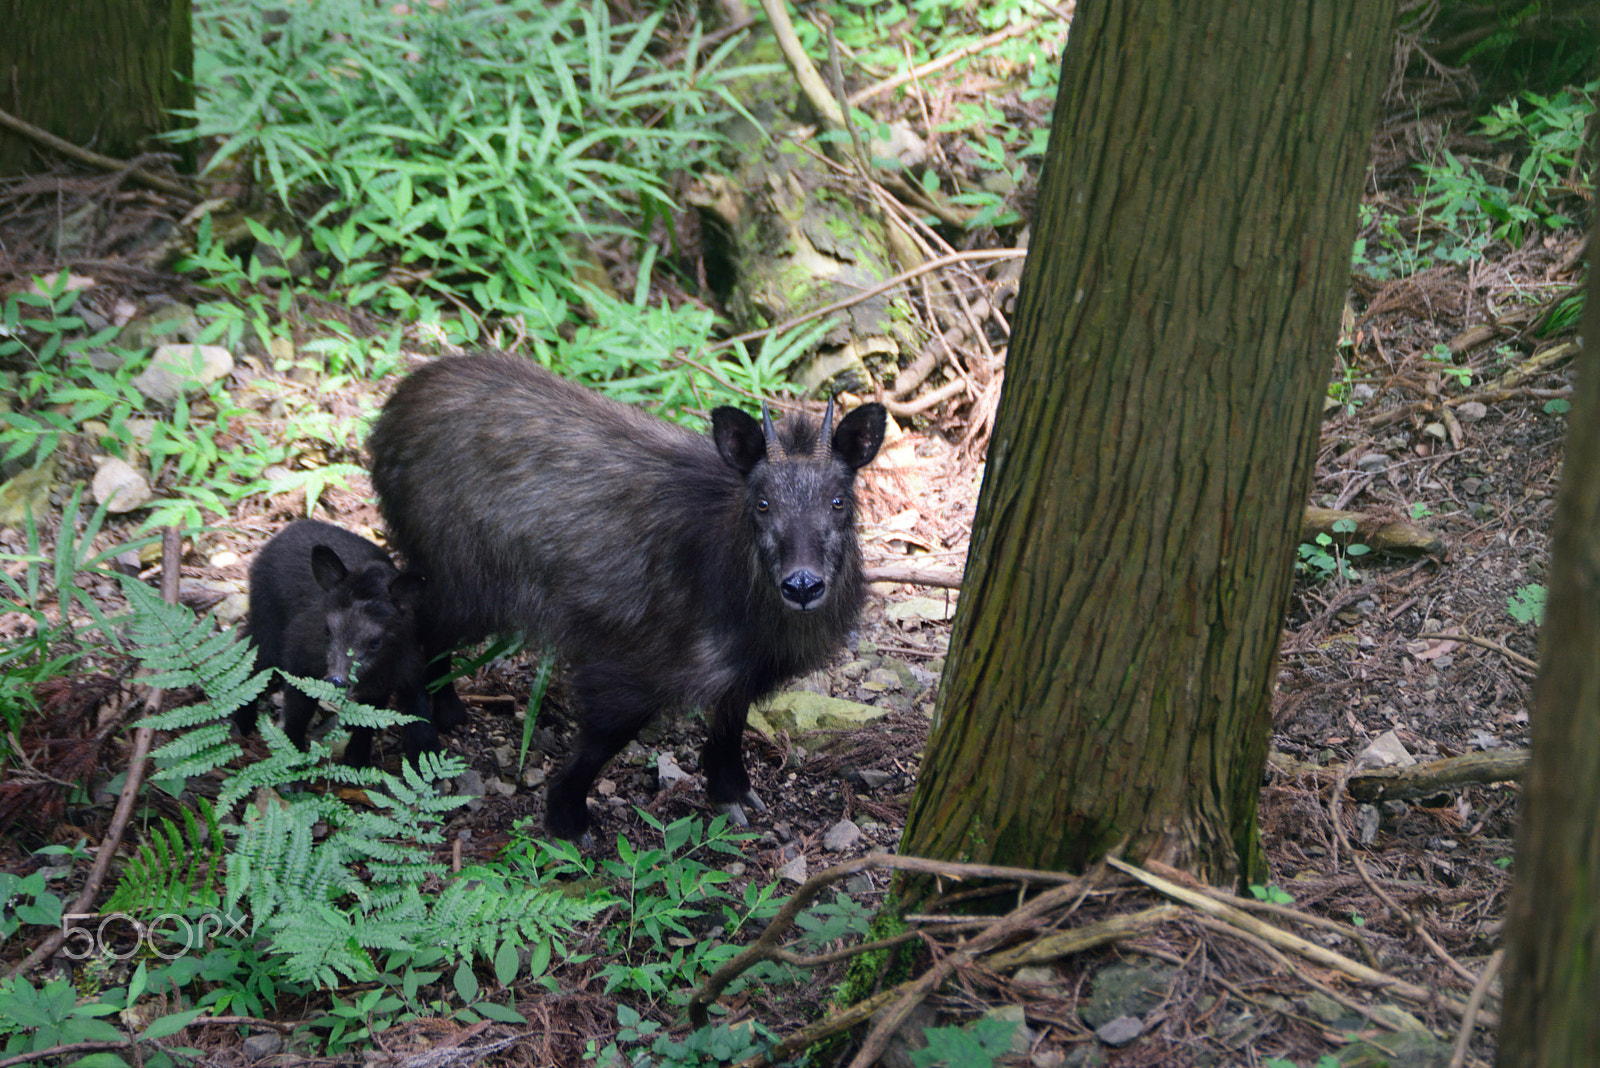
[1552, 976]
[1114, 651]
[102, 74]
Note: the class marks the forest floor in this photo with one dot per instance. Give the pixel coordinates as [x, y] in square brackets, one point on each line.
[1412, 658]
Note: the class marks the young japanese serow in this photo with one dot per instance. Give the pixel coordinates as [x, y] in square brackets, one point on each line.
[671, 570]
[329, 604]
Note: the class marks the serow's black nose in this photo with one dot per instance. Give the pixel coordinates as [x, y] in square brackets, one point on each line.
[338, 680]
[803, 587]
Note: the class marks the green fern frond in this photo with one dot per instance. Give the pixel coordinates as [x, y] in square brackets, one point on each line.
[180, 650]
[174, 870]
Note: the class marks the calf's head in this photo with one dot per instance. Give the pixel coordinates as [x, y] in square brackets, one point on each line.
[370, 613]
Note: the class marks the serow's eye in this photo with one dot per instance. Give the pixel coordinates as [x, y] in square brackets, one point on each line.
[838, 503]
[761, 505]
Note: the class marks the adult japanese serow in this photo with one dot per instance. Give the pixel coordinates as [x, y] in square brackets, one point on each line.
[670, 569]
[329, 604]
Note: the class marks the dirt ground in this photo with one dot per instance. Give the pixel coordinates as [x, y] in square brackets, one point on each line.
[1421, 654]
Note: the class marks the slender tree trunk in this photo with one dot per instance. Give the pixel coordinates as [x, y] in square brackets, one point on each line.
[102, 74]
[1552, 977]
[1113, 656]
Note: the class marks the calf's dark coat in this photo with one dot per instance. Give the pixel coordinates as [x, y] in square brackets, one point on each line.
[670, 569]
[329, 604]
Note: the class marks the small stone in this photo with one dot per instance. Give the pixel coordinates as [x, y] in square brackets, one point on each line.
[259, 1047]
[1368, 820]
[873, 779]
[736, 869]
[668, 770]
[841, 836]
[1386, 751]
[225, 558]
[533, 777]
[499, 786]
[119, 487]
[1471, 412]
[28, 493]
[1372, 461]
[794, 870]
[178, 369]
[1022, 1036]
[1436, 431]
[882, 678]
[469, 784]
[231, 609]
[1121, 1031]
[505, 757]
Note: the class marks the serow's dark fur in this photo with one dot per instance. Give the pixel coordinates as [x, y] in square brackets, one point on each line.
[670, 569]
[329, 604]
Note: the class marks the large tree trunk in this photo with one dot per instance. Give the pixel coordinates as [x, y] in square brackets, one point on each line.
[102, 74]
[1552, 978]
[1115, 647]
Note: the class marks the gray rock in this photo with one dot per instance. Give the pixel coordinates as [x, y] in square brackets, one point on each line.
[1022, 1036]
[1471, 412]
[1414, 1049]
[119, 486]
[259, 1047]
[1120, 1031]
[872, 778]
[1125, 990]
[28, 492]
[841, 836]
[909, 1038]
[668, 770]
[469, 784]
[799, 712]
[794, 870]
[178, 369]
[533, 776]
[1385, 751]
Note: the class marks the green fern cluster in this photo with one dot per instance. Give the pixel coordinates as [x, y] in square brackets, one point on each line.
[330, 884]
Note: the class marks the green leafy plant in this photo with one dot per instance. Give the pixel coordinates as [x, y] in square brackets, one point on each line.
[1441, 356]
[1323, 558]
[26, 899]
[974, 1046]
[1271, 893]
[649, 1047]
[460, 144]
[664, 896]
[1526, 604]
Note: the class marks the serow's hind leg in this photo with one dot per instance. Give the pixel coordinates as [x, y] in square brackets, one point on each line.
[612, 708]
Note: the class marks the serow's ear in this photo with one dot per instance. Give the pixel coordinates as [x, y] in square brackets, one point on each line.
[739, 439]
[326, 567]
[406, 590]
[859, 435]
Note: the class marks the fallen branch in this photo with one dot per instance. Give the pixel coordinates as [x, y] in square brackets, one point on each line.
[94, 159]
[1485, 643]
[941, 577]
[1381, 534]
[1284, 940]
[1439, 776]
